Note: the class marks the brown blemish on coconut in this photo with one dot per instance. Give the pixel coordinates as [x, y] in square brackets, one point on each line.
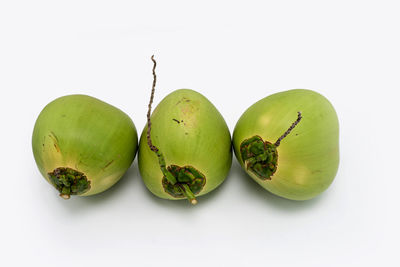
[55, 141]
[107, 165]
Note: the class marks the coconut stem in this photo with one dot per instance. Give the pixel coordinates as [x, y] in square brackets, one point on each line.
[299, 117]
[153, 88]
[188, 193]
[161, 160]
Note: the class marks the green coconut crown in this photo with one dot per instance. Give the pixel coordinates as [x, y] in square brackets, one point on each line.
[261, 157]
[69, 182]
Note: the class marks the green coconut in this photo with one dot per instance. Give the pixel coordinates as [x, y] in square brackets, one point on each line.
[83, 146]
[289, 143]
[186, 151]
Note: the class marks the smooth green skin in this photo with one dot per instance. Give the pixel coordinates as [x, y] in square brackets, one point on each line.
[88, 135]
[308, 158]
[202, 140]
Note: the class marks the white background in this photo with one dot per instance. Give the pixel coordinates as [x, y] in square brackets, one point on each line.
[235, 53]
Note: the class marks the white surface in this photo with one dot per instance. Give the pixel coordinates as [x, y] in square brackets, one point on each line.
[235, 53]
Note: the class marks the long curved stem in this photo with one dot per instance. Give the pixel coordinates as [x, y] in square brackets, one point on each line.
[153, 88]
[161, 160]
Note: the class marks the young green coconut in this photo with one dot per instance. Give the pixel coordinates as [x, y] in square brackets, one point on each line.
[83, 146]
[185, 149]
[295, 158]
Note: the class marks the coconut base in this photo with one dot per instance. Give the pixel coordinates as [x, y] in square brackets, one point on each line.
[69, 181]
[259, 157]
[188, 181]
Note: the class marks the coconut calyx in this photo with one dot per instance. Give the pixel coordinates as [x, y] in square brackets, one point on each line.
[189, 182]
[261, 157]
[69, 181]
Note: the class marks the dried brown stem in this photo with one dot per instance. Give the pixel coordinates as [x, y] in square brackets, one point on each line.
[152, 147]
[278, 142]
